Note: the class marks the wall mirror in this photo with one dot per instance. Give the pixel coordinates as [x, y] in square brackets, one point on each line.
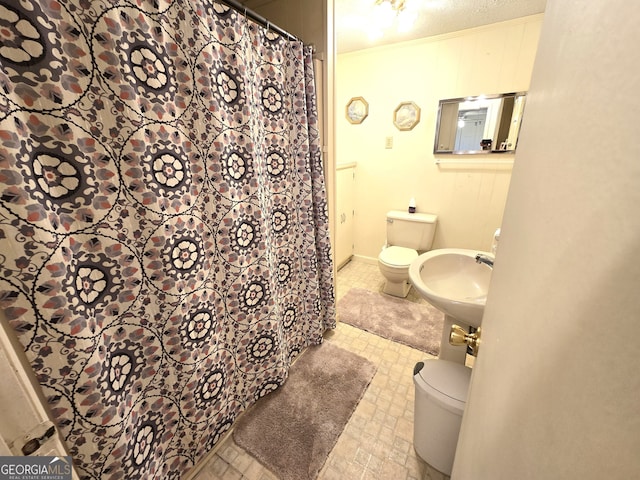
[482, 124]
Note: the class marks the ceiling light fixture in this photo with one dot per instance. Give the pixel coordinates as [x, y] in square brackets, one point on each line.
[397, 5]
[388, 12]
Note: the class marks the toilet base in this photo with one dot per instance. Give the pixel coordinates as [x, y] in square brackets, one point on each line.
[397, 289]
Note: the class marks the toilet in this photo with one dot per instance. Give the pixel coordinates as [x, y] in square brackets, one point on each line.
[441, 389]
[408, 234]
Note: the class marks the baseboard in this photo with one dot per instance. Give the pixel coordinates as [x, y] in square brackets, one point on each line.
[363, 259]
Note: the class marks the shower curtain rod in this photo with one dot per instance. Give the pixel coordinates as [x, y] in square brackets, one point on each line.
[259, 19]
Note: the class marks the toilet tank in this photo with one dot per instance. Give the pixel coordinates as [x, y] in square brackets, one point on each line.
[411, 230]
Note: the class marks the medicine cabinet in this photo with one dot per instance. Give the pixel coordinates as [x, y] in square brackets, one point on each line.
[482, 124]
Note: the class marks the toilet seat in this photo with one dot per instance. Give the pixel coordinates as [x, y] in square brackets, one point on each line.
[398, 257]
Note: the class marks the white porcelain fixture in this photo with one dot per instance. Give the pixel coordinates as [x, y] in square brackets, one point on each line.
[440, 397]
[407, 234]
[451, 280]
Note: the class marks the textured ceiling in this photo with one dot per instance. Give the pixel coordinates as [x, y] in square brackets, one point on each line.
[435, 17]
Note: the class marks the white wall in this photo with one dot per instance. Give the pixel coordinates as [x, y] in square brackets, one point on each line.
[468, 199]
[555, 391]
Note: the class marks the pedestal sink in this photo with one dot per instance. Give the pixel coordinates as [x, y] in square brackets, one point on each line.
[451, 280]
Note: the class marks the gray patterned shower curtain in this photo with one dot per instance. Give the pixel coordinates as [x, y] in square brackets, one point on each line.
[164, 246]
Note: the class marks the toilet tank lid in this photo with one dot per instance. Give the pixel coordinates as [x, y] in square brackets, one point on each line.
[412, 217]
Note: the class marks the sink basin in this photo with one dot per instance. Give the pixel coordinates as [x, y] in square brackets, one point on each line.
[452, 281]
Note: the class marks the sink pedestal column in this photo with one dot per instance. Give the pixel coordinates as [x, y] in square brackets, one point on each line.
[456, 354]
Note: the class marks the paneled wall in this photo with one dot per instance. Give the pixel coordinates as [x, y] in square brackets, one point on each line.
[468, 197]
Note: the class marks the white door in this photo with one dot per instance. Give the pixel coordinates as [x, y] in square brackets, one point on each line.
[555, 391]
[345, 191]
[25, 426]
[471, 129]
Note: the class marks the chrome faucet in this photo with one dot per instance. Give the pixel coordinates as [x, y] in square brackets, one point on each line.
[484, 259]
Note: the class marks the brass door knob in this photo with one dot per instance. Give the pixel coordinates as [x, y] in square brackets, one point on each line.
[458, 336]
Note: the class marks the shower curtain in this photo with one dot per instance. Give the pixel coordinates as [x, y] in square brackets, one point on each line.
[164, 245]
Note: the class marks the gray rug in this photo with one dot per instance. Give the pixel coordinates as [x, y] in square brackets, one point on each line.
[414, 324]
[292, 430]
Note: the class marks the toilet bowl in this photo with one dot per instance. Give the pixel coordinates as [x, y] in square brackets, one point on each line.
[394, 264]
[441, 389]
[408, 235]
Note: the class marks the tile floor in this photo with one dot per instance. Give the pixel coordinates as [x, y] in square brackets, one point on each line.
[377, 443]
